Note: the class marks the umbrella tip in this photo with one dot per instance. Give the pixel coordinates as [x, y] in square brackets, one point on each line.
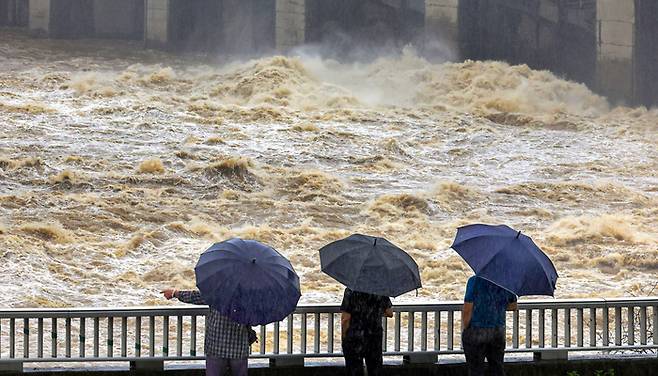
[518, 234]
[375, 243]
[253, 261]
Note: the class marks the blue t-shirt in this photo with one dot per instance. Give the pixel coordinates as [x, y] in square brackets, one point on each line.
[489, 302]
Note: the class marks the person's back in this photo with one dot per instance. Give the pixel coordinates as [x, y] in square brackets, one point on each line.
[483, 319]
[489, 303]
[361, 319]
[366, 310]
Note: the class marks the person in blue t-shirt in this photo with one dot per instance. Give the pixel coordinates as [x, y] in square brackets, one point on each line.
[483, 320]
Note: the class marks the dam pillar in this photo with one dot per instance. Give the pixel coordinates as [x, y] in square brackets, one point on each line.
[289, 24]
[442, 28]
[615, 22]
[156, 28]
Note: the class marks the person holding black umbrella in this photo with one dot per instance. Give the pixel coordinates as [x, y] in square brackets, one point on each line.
[362, 332]
[372, 269]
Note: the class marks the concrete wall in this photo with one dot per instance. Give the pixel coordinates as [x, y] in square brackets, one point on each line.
[615, 48]
[290, 24]
[119, 18]
[39, 22]
[156, 32]
[14, 13]
[442, 28]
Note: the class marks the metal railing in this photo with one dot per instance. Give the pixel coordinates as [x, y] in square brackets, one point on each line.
[419, 331]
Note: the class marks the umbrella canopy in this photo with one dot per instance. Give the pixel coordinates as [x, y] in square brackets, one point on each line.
[247, 281]
[369, 264]
[507, 258]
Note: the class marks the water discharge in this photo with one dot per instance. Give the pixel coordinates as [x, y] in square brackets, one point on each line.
[119, 166]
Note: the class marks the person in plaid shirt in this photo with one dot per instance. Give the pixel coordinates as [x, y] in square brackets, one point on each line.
[227, 342]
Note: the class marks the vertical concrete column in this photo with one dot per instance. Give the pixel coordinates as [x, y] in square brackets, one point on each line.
[39, 17]
[442, 27]
[157, 23]
[615, 21]
[290, 24]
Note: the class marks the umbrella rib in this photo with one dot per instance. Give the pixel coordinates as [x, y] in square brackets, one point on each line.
[362, 265]
[401, 256]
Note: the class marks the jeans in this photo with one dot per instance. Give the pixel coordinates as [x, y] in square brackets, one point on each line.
[480, 343]
[360, 347]
[219, 366]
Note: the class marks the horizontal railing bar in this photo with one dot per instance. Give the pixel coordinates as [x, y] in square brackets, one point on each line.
[314, 308]
[316, 355]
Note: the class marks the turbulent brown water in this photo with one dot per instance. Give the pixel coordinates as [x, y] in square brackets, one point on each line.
[119, 166]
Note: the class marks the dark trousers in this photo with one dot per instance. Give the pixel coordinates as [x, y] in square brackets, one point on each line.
[358, 348]
[481, 343]
[220, 366]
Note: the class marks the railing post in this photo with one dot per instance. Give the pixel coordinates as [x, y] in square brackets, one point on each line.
[437, 330]
[579, 327]
[330, 333]
[26, 338]
[606, 326]
[643, 325]
[515, 329]
[53, 335]
[40, 338]
[304, 335]
[541, 322]
[655, 327]
[316, 328]
[12, 338]
[528, 328]
[592, 327]
[631, 325]
[410, 331]
[451, 329]
[567, 327]
[81, 337]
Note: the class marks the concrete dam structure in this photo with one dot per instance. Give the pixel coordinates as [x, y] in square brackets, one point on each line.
[610, 45]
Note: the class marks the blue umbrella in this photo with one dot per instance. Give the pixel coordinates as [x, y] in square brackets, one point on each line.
[247, 281]
[369, 264]
[507, 258]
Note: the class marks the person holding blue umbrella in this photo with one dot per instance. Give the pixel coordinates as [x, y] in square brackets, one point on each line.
[507, 264]
[244, 283]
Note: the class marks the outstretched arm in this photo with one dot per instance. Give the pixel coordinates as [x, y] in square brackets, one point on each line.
[185, 296]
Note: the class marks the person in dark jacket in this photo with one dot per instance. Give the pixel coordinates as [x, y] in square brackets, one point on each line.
[361, 323]
[226, 341]
[483, 320]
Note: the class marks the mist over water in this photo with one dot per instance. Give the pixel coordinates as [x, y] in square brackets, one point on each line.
[118, 167]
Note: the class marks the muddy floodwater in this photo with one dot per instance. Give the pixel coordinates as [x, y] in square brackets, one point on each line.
[119, 166]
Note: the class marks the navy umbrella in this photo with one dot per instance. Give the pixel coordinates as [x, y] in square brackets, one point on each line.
[507, 258]
[247, 281]
[369, 264]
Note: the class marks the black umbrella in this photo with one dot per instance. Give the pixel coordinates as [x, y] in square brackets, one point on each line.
[369, 264]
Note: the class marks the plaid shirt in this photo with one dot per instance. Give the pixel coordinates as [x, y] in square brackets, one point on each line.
[225, 338]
